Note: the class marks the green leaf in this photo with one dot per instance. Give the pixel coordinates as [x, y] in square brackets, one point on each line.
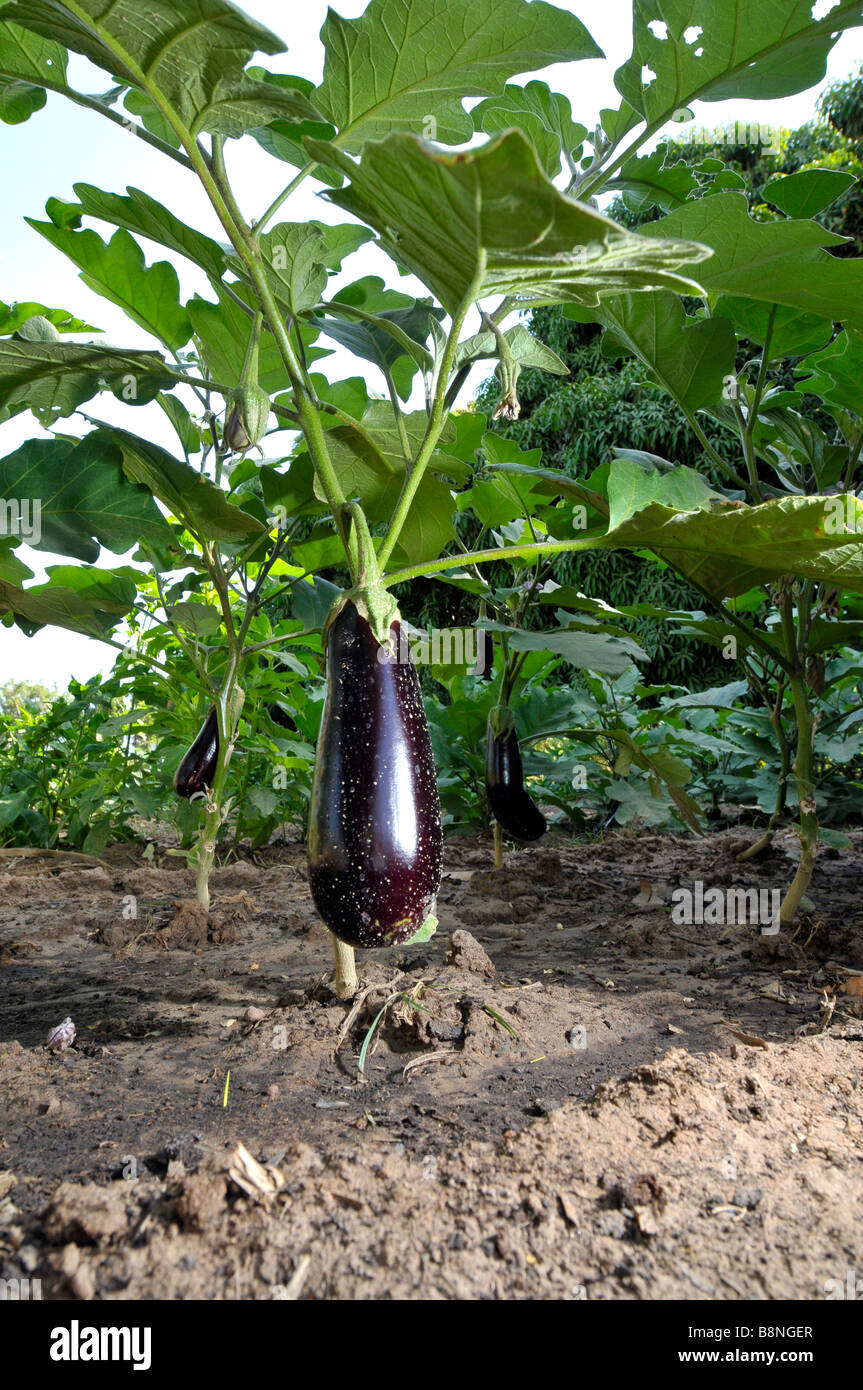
[526, 350]
[650, 181]
[543, 115]
[794, 331]
[58, 377]
[836, 373]
[200, 618]
[807, 192]
[189, 57]
[84, 600]
[190, 495]
[188, 432]
[13, 317]
[632, 488]
[26, 61]
[490, 222]
[223, 330]
[688, 357]
[590, 651]
[139, 213]
[382, 335]
[19, 100]
[710, 50]
[729, 549]
[407, 65]
[85, 498]
[776, 262]
[117, 270]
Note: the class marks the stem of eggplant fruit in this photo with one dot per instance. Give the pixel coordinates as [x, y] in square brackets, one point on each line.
[498, 846]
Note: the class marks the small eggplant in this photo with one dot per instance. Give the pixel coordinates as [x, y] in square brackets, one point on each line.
[198, 767]
[375, 838]
[511, 805]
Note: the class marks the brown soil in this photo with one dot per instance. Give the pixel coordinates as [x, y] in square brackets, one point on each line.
[568, 1097]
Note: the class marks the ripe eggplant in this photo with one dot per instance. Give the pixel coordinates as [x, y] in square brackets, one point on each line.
[375, 838]
[198, 768]
[511, 805]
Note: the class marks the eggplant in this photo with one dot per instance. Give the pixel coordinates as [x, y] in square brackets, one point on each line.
[375, 844]
[198, 768]
[511, 805]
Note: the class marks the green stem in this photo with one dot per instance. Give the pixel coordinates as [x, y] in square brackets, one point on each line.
[436, 422]
[283, 196]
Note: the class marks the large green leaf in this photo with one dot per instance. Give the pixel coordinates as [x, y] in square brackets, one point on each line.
[591, 651]
[836, 373]
[807, 192]
[85, 498]
[544, 116]
[139, 213]
[58, 377]
[150, 295]
[190, 57]
[792, 331]
[26, 62]
[631, 488]
[688, 357]
[710, 50]
[91, 601]
[728, 550]
[491, 222]
[775, 262]
[190, 495]
[407, 65]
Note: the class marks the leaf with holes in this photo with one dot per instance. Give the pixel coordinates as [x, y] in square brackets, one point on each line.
[407, 65]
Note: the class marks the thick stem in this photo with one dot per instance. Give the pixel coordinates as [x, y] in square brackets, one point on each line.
[498, 847]
[802, 771]
[345, 982]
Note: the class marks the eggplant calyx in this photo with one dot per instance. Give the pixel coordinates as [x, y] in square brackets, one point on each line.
[374, 603]
[501, 721]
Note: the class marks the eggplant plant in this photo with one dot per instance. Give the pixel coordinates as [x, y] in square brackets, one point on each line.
[489, 231]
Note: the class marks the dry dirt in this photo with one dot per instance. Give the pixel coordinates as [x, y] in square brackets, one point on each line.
[569, 1096]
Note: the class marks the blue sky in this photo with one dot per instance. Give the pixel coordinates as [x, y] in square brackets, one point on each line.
[64, 144]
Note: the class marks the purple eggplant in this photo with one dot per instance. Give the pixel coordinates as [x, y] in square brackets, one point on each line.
[375, 838]
[198, 768]
[511, 805]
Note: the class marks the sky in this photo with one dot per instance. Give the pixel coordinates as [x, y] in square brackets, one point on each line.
[64, 144]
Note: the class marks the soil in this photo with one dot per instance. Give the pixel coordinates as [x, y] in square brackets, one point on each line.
[566, 1096]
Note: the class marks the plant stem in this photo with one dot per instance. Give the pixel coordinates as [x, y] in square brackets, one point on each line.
[436, 422]
[498, 846]
[802, 765]
[345, 980]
